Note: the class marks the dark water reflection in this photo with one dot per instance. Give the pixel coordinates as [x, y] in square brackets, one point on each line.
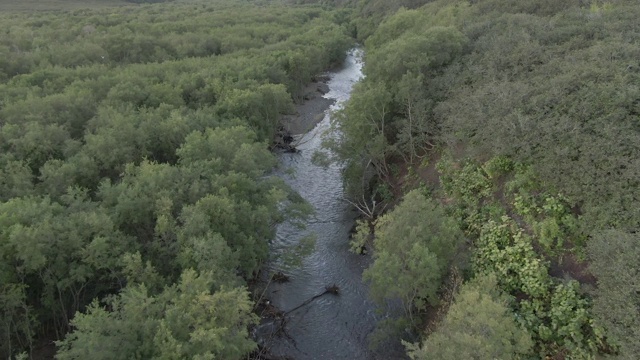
[331, 327]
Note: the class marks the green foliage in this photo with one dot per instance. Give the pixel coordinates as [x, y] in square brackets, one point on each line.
[615, 261]
[379, 20]
[134, 147]
[63, 253]
[261, 107]
[540, 7]
[542, 90]
[416, 128]
[478, 325]
[466, 182]
[498, 166]
[16, 318]
[558, 316]
[417, 53]
[395, 26]
[386, 329]
[361, 236]
[547, 91]
[563, 322]
[503, 249]
[363, 126]
[414, 244]
[390, 112]
[469, 191]
[551, 217]
[185, 320]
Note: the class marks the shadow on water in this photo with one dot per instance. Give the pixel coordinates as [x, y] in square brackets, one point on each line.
[331, 326]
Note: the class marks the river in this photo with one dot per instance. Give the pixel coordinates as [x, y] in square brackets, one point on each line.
[329, 327]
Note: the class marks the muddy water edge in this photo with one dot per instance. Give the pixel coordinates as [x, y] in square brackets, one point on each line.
[321, 322]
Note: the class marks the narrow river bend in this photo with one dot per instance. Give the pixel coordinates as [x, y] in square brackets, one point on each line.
[330, 327]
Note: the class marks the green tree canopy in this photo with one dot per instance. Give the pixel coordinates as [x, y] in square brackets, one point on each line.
[186, 320]
[414, 244]
[615, 259]
[479, 325]
[133, 147]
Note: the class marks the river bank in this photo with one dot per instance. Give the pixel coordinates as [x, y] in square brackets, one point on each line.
[337, 325]
[312, 110]
[273, 324]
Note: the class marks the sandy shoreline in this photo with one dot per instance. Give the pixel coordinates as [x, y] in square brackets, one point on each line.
[311, 111]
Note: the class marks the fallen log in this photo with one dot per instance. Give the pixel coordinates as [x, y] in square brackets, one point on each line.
[333, 289]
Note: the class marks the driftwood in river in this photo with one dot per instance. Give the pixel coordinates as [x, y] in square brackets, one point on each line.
[333, 289]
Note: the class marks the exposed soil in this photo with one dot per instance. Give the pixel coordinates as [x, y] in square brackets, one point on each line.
[568, 266]
[428, 174]
[311, 111]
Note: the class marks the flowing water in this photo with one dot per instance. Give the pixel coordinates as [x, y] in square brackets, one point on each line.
[329, 327]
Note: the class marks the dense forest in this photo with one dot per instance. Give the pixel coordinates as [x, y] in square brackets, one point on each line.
[135, 189]
[512, 129]
[493, 149]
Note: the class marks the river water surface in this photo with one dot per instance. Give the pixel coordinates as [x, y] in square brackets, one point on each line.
[330, 327]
